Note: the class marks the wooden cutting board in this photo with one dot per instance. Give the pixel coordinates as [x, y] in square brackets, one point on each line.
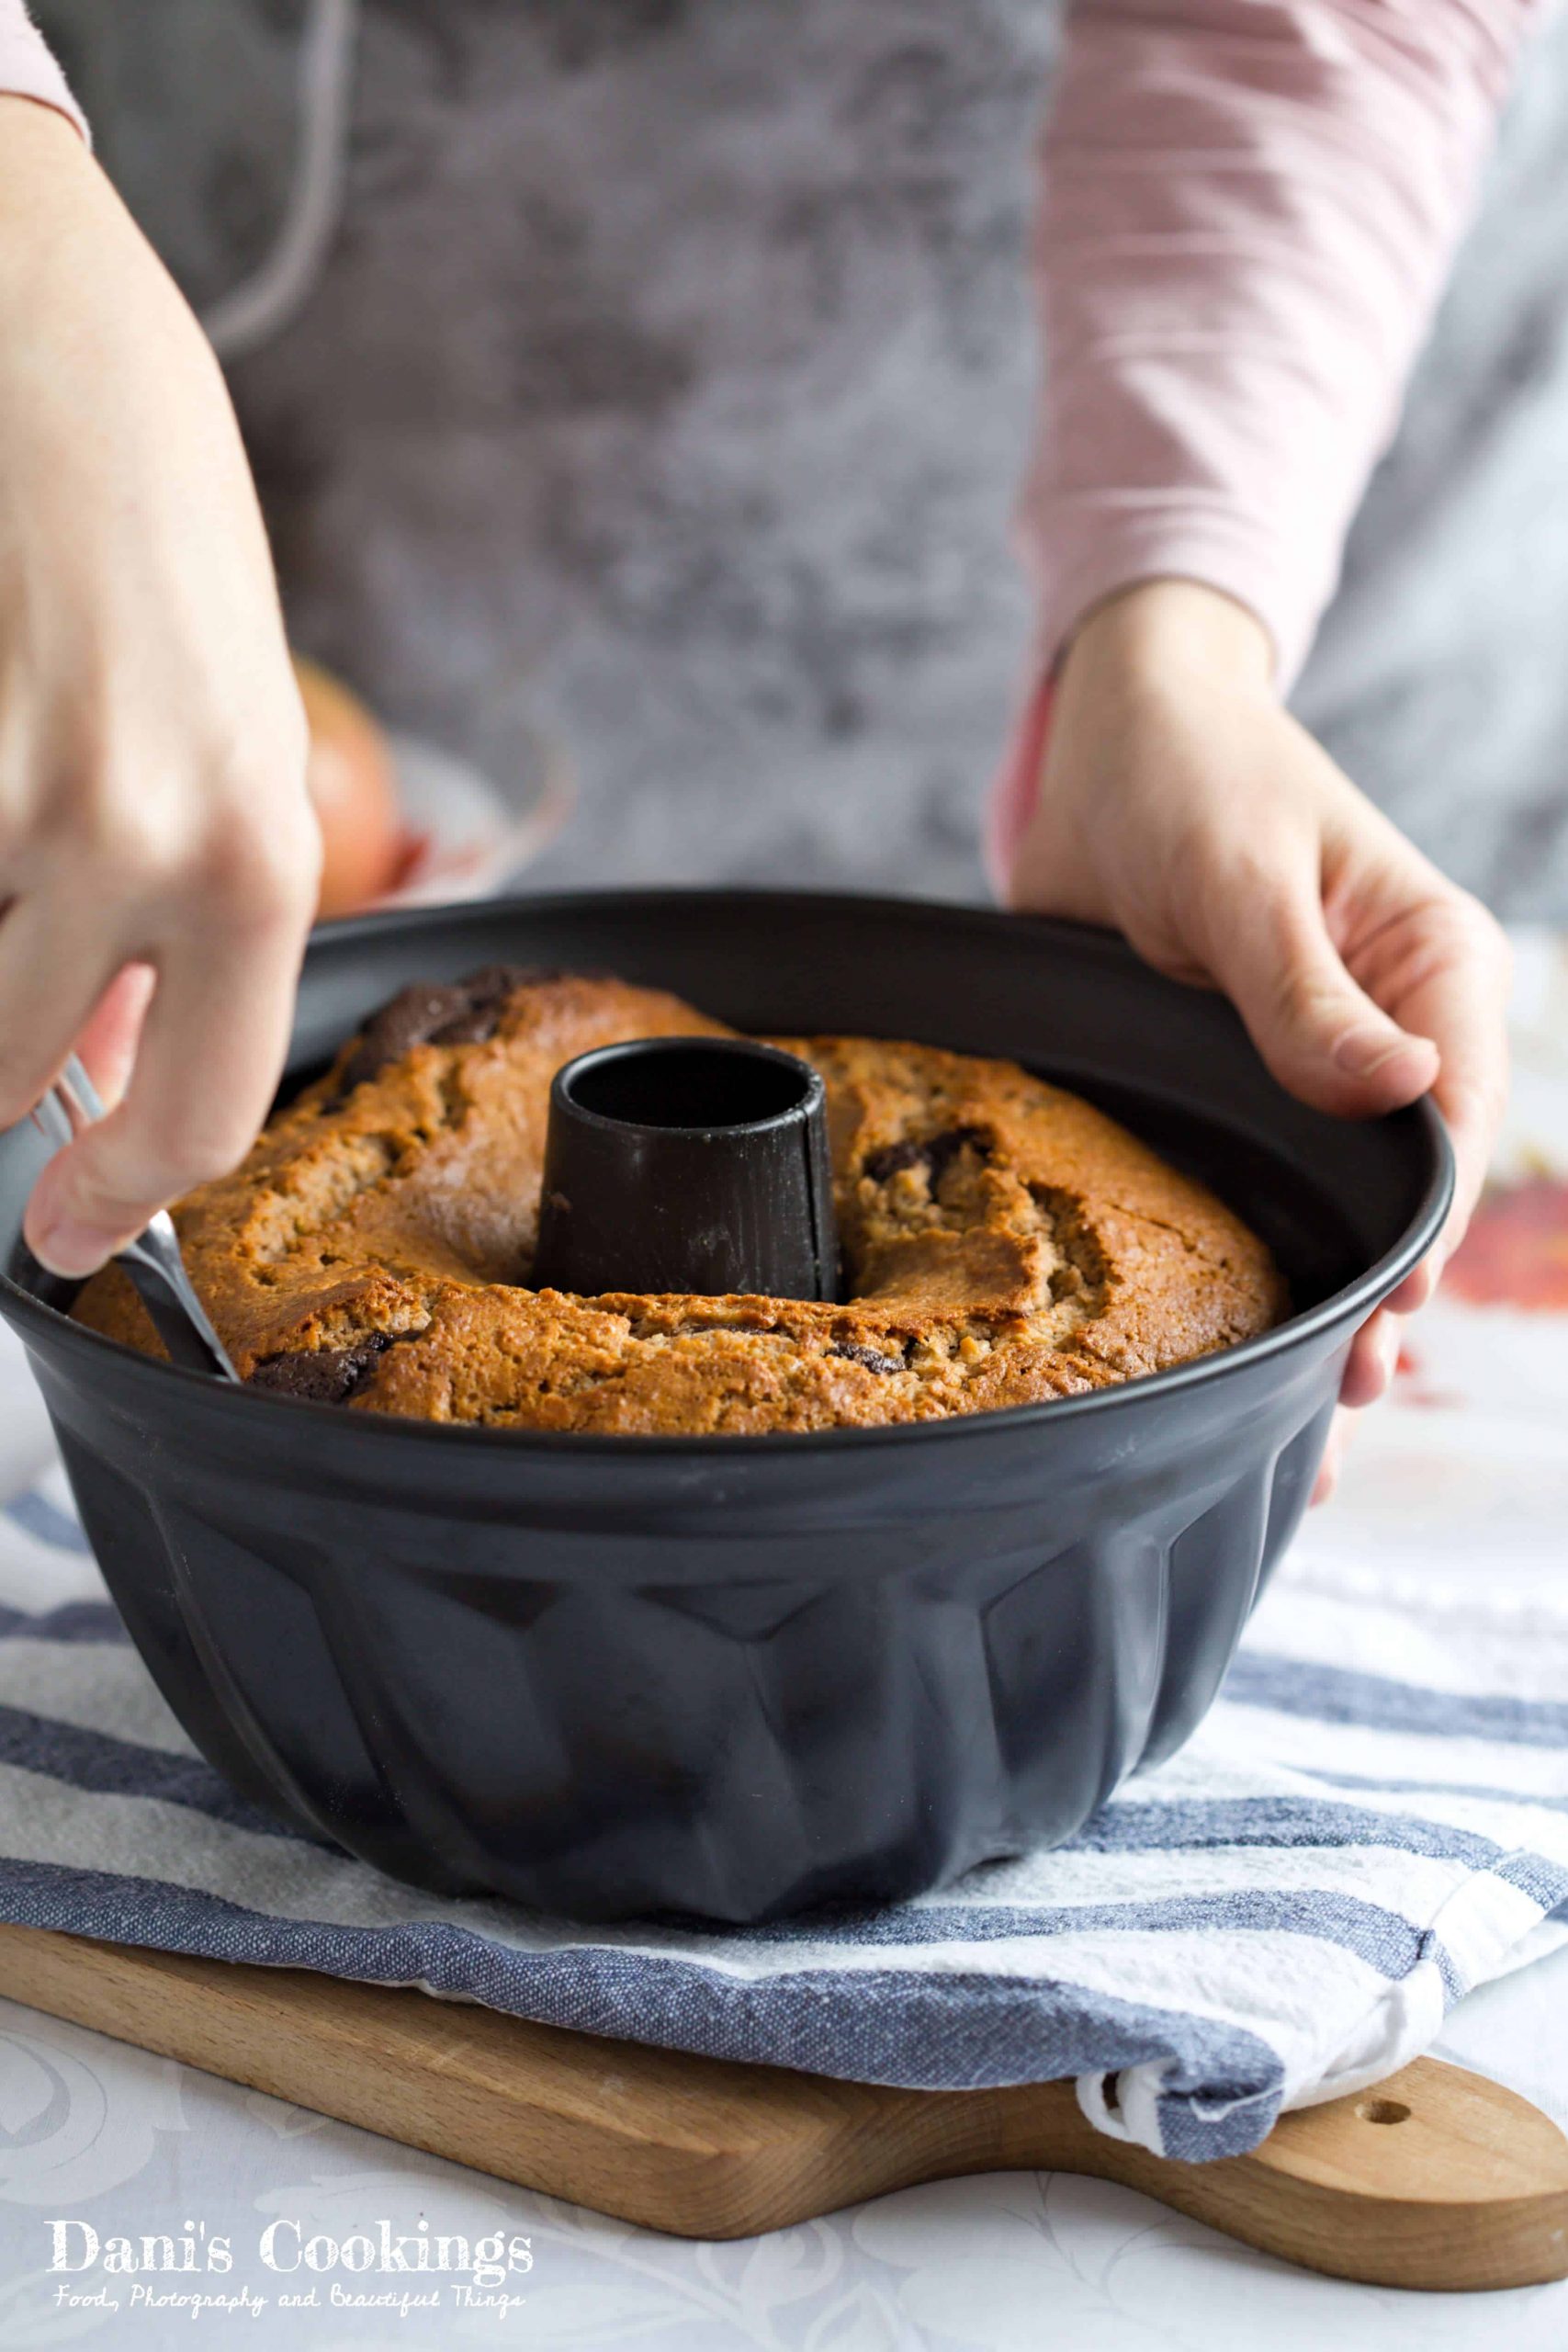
[1436, 2178]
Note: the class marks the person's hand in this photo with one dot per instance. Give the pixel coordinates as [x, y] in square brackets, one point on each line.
[1181, 805]
[158, 856]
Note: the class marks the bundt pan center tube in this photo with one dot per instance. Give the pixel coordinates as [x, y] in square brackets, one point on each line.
[687, 1164]
[738, 1676]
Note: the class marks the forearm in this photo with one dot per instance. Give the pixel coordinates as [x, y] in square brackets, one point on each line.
[87, 305]
[28, 69]
[1249, 210]
[158, 856]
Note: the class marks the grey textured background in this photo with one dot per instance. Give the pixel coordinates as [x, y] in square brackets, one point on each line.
[672, 369]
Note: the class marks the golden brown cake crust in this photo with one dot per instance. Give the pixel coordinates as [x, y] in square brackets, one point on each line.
[1003, 1242]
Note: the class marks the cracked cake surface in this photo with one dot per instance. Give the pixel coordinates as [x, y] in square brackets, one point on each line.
[1003, 1242]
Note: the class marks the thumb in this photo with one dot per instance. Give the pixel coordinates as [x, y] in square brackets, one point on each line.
[1321, 1034]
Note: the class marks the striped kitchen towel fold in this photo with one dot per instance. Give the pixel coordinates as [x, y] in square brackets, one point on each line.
[1373, 1820]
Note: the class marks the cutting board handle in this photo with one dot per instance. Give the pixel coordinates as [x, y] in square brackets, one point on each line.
[1434, 2178]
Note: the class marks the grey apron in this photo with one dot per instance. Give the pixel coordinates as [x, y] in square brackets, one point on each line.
[671, 368]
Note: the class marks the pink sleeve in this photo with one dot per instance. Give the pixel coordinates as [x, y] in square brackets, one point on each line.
[26, 68]
[1248, 210]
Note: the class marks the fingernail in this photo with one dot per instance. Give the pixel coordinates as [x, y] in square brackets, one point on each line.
[72, 1248]
[1360, 1052]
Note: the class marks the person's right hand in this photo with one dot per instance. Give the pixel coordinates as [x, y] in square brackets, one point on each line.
[1180, 805]
[158, 855]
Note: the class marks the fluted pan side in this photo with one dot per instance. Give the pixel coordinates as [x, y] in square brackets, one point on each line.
[718, 1716]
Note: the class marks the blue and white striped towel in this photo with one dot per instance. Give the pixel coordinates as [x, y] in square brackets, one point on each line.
[1374, 1820]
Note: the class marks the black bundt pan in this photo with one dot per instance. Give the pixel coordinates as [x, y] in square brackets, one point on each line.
[739, 1676]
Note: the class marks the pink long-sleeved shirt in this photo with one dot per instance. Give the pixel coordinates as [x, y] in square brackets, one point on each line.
[1248, 210]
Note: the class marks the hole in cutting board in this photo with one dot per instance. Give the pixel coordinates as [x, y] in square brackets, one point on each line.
[1383, 2111]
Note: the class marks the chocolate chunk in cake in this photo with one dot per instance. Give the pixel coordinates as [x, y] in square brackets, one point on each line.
[322, 1375]
[430, 1012]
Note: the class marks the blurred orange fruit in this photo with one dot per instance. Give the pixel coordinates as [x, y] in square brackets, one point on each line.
[351, 782]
